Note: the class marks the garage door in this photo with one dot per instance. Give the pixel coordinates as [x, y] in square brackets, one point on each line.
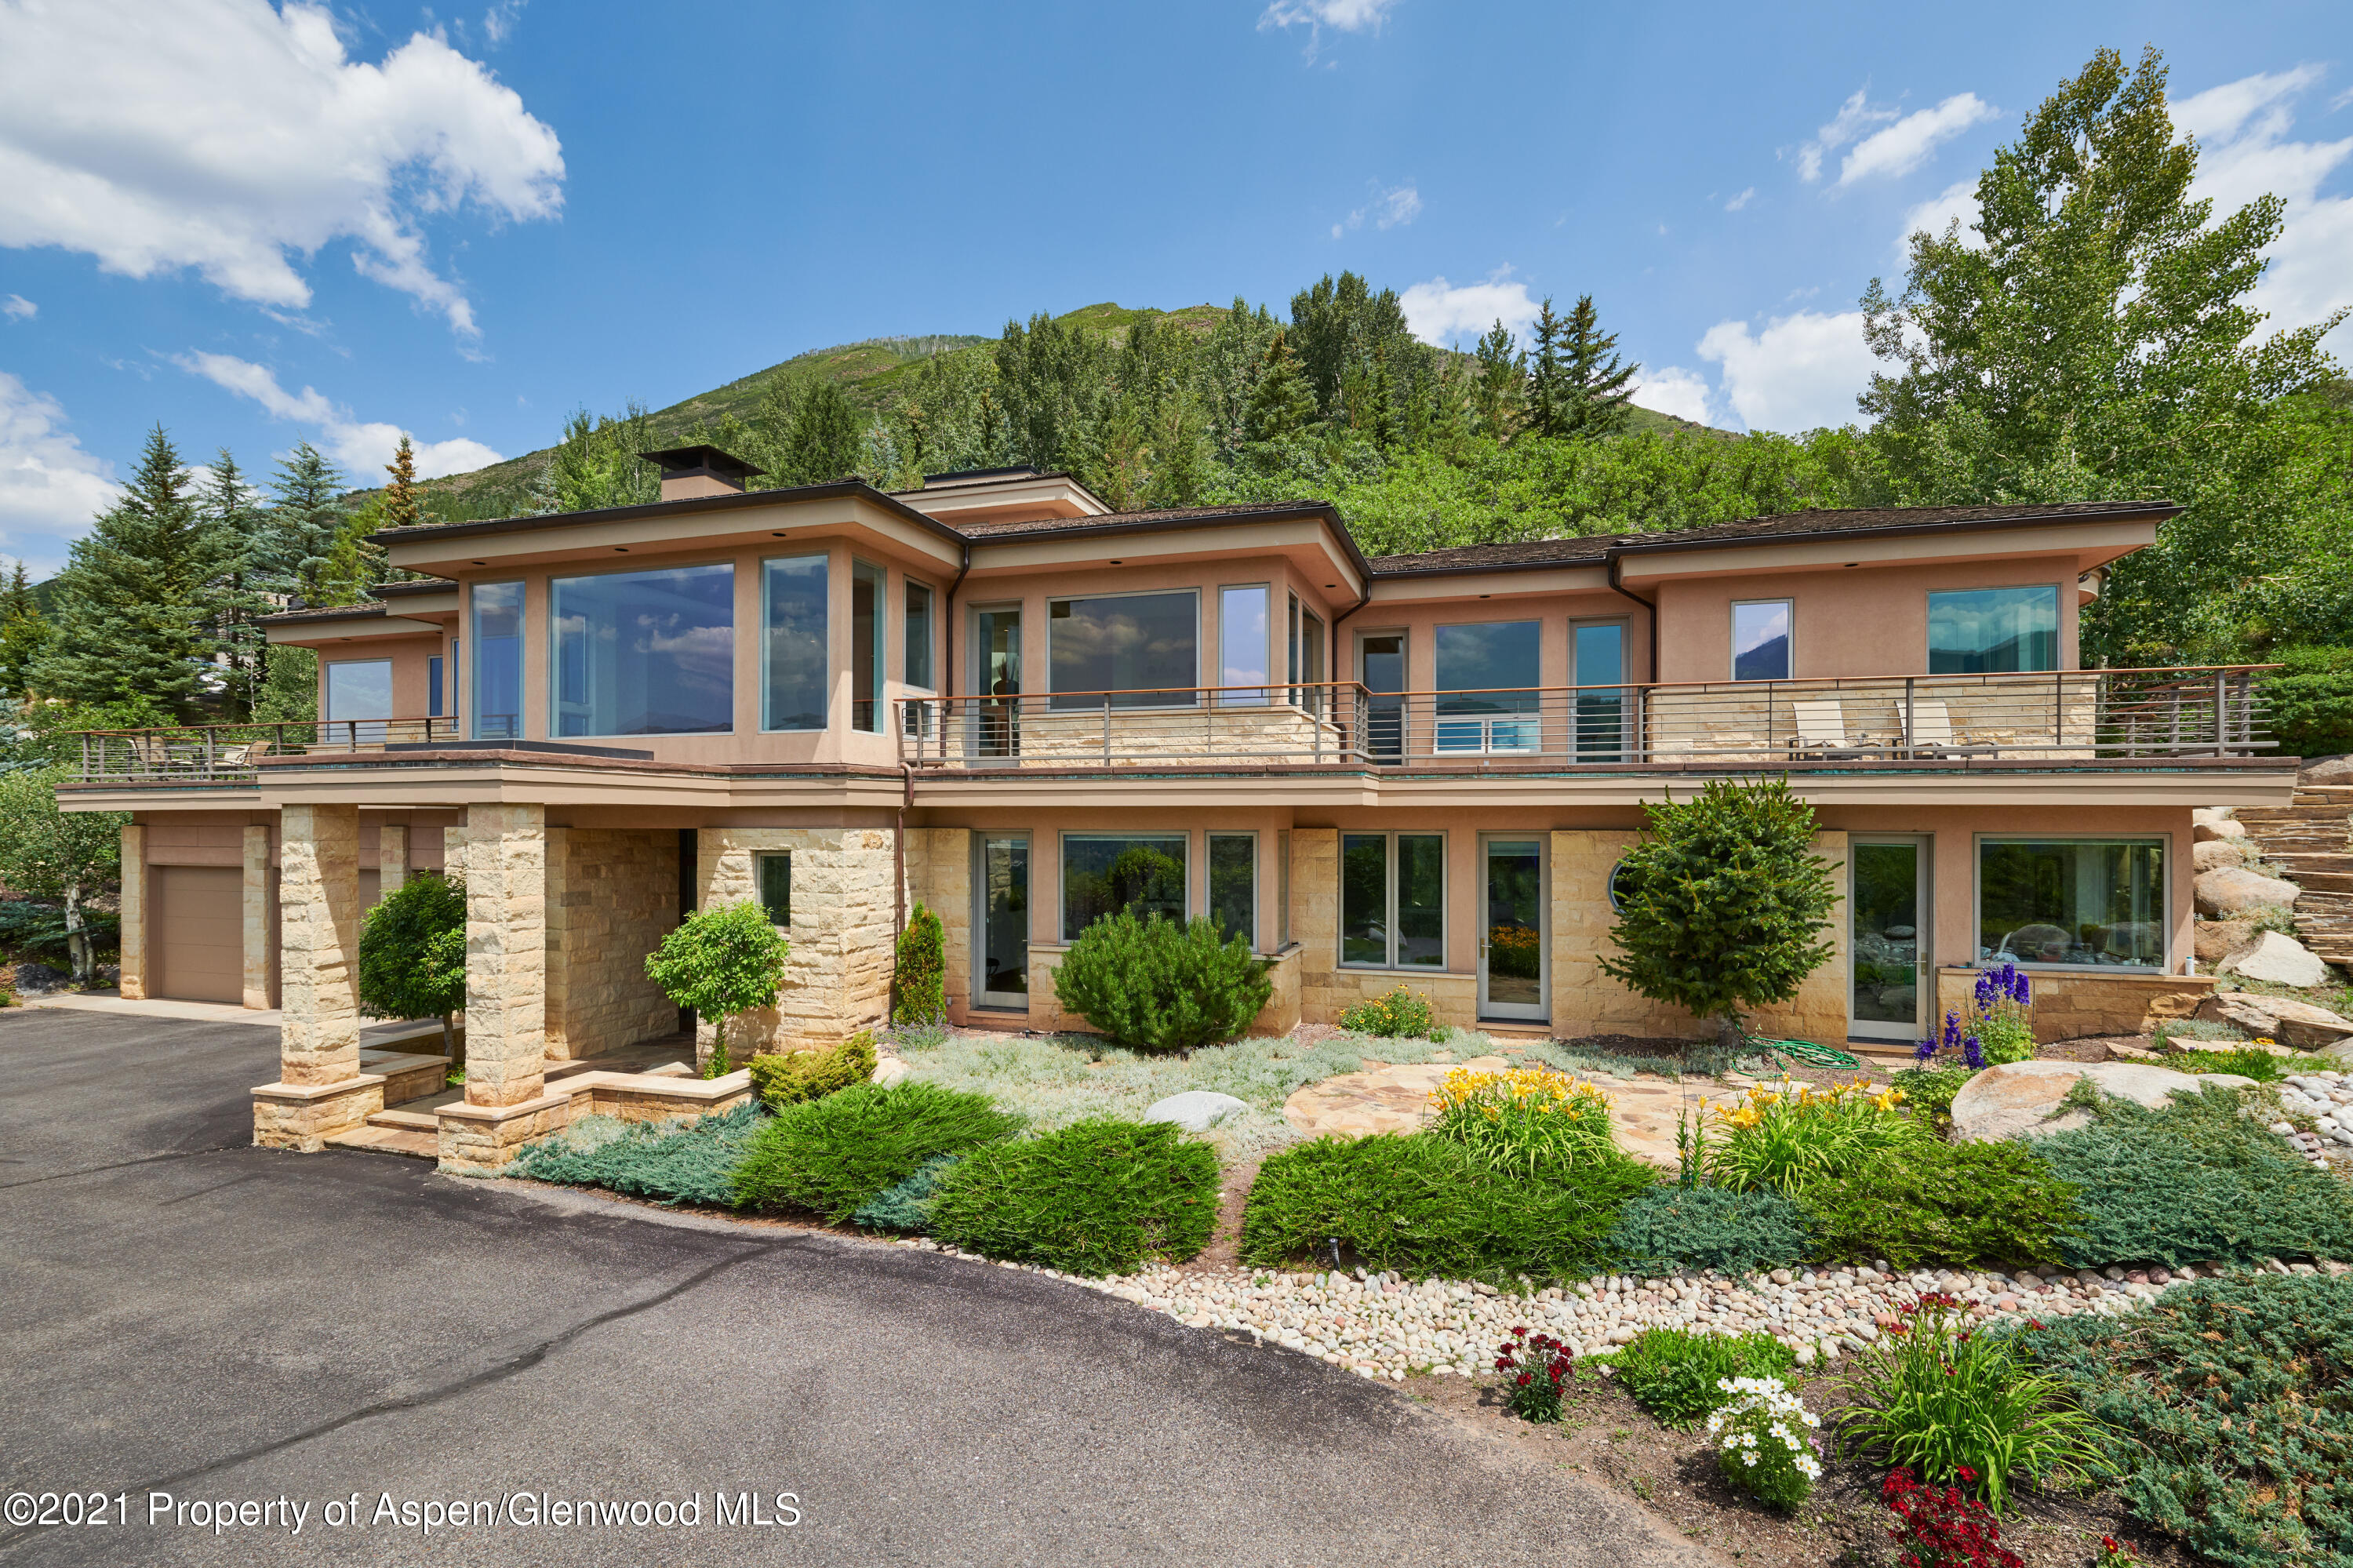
[198, 929]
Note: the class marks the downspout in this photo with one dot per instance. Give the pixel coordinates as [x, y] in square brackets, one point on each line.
[1650, 616]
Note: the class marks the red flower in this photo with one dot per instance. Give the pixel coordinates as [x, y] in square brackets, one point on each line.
[1524, 1380]
[1965, 1473]
[2109, 1542]
[1519, 1333]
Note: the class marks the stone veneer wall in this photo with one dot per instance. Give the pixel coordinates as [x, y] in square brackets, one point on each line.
[506, 952]
[838, 975]
[939, 871]
[132, 961]
[1586, 1001]
[1325, 990]
[2086, 1004]
[612, 895]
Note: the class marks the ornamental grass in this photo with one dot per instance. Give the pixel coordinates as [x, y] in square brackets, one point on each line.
[1791, 1135]
[1523, 1120]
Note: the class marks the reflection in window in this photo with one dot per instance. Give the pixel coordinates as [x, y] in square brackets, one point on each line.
[498, 660]
[865, 647]
[2072, 902]
[1393, 900]
[360, 689]
[918, 663]
[433, 693]
[793, 621]
[1983, 630]
[1233, 884]
[1305, 664]
[1104, 873]
[645, 652]
[1478, 668]
[1242, 645]
[1599, 650]
[1760, 639]
[776, 879]
[1142, 646]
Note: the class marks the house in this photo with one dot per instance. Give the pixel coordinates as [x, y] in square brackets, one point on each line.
[998, 695]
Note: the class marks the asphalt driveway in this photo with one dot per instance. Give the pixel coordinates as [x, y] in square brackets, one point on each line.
[209, 1332]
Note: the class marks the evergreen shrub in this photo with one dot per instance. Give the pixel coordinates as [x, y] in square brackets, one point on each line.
[787, 1078]
[921, 974]
[1968, 1203]
[908, 1205]
[1100, 1196]
[1673, 1372]
[1428, 1205]
[1709, 1227]
[828, 1157]
[1155, 985]
[661, 1160]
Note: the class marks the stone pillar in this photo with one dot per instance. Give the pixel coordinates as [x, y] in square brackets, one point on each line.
[506, 954]
[133, 983]
[257, 917]
[1315, 920]
[391, 857]
[321, 1090]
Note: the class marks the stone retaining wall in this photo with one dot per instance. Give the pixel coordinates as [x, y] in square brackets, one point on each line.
[2086, 1004]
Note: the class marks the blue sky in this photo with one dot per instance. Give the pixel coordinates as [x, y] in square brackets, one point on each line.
[257, 224]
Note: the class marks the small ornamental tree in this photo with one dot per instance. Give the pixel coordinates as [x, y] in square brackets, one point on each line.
[1159, 986]
[720, 963]
[50, 854]
[412, 956]
[1723, 905]
[921, 969]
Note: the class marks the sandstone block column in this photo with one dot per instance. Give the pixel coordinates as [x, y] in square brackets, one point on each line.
[506, 954]
[321, 1090]
[257, 917]
[391, 857]
[133, 983]
[1315, 920]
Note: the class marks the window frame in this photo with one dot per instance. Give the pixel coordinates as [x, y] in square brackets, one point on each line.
[825, 646]
[907, 586]
[1445, 902]
[435, 699]
[1063, 870]
[1052, 693]
[1282, 889]
[875, 698]
[1928, 628]
[474, 683]
[761, 861]
[2165, 920]
[555, 652]
[1209, 872]
[1732, 625]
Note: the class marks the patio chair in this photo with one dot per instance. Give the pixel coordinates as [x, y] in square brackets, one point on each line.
[1822, 734]
[1932, 732]
[152, 753]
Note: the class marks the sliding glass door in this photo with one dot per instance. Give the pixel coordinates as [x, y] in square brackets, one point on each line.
[1887, 947]
[1000, 951]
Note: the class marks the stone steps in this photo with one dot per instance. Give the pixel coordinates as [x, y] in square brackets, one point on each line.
[405, 1140]
[406, 1120]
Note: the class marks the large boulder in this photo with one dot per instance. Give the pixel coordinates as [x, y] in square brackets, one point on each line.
[2221, 829]
[2282, 1019]
[2234, 890]
[2214, 940]
[2280, 958]
[2213, 854]
[2024, 1097]
[2325, 771]
[1196, 1110]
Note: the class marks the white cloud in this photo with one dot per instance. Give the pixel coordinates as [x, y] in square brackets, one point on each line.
[1955, 201]
[50, 487]
[499, 21]
[1441, 314]
[1670, 389]
[2244, 153]
[18, 308]
[362, 448]
[1906, 144]
[1802, 371]
[234, 139]
[1854, 117]
[1388, 209]
[1344, 15]
[1736, 203]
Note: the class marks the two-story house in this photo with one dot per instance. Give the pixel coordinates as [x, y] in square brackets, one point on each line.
[997, 696]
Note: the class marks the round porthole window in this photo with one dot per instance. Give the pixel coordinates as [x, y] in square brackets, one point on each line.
[1618, 888]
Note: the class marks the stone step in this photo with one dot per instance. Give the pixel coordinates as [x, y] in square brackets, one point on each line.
[406, 1120]
[390, 1140]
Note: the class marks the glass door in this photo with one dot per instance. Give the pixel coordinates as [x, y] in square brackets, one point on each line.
[997, 664]
[1510, 938]
[1380, 660]
[1887, 906]
[1001, 916]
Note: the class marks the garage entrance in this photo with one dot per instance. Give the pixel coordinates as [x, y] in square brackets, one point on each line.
[196, 932]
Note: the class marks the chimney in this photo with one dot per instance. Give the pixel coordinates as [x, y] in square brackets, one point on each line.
[687, 472]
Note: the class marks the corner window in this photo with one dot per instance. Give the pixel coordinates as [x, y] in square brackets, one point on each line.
[793, 643]
[1244, 642]
[773, 873]
[1979, 631]
[358, 690]
[644, 652]
[2097, 901]
[1104, 873]
[918, 662]
[866, 590]
[498, 660]
[1143, 648]
[1760, 639]
[1393, 900]
[1304, 665]
[1233, 884]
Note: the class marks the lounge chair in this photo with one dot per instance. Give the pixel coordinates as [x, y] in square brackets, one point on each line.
[1822, 734]
[1932, 732]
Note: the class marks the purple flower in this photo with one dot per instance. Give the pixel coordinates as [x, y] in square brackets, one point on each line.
[2020, 992]
[1986, 984]
[1952, 1032]
[1972, 1053]
[1926, 1050]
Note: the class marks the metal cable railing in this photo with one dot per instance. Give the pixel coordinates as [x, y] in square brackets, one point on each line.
[215, 753]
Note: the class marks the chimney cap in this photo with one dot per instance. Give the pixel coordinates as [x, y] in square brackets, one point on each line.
[710, 460]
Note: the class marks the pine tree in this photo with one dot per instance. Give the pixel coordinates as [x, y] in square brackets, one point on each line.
[127, 611]
[1283, 403]
[400, 506]
[236, 542]
[301, 527]
[828, 439]
[1502, 383]
[355, 564]
[23, 631]
[1547, 385]
[1597, 385]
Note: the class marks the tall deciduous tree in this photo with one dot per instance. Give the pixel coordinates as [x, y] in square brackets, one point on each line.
[128, 622]
[1595, 384]
[595, 465]
[2091, 338]
[49, 854]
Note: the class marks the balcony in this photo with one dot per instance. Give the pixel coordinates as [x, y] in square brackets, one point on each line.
[2074, 719]
[232, 753]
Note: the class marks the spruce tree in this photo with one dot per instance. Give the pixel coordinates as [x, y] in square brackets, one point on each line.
[23, 631]
[1502, 384]
[400, 506]
[303, 527]
[1283, 403]
[828, 439]
[1548, 387]
[232, 599]
[1597, 385]
[128, 621]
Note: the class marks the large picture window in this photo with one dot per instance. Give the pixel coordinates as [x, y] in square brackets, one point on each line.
[918, 662]
[2071, 901]
[793, 646]
[1760, 639]
[1244, 642]
[1393, 900]
[1104, 873]
[1145, 647]
[1481, 671]
[1979, 631]
[498, 660]
[644, 652]
[359, 689]
[866, 590]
